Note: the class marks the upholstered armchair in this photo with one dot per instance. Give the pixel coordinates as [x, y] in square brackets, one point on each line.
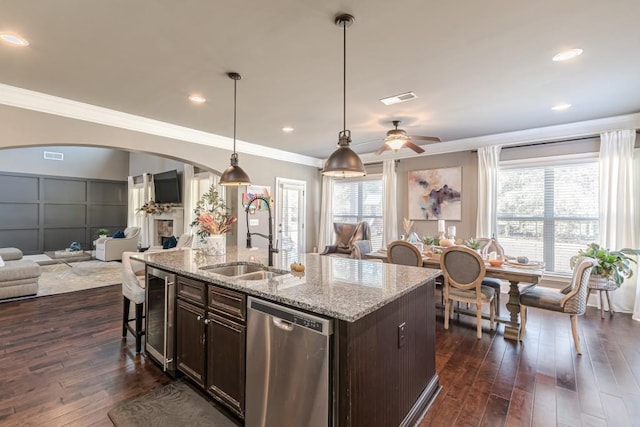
[110, 249]
[349, 235]
[572, 300]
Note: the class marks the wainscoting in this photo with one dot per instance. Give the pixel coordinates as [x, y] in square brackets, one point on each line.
[45, 213]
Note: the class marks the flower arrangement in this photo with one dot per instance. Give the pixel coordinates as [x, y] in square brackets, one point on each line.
[212, 216]
[153, 208]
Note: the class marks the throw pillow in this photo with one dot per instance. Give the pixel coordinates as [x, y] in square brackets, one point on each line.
[118, 235]
[171, 242]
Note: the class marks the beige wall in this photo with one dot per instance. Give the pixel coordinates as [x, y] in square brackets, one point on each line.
[46, 129]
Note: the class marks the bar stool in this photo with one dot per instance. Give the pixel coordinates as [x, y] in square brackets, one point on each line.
[133, 284]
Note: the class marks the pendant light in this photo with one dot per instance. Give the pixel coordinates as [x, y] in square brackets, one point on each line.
[344, 162]
[234, 175]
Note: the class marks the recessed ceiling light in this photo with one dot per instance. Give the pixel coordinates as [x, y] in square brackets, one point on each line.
[561, 107]
[197, 99]
[14, 39]
[396, 99]
[567, 54]
[287, 129]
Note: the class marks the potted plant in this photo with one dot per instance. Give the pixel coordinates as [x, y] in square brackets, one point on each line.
[612, 266]
[102, 232]
[212, 221]
[472, 243]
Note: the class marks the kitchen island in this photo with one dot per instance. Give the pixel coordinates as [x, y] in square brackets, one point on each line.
[381, 351]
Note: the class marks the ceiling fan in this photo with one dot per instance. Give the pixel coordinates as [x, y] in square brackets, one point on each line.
[398, 138]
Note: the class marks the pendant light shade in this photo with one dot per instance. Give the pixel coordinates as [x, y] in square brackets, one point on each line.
[344, 162]
[234, 175]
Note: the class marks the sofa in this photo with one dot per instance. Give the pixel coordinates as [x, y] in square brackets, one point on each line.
[18, 277]
[111, 249]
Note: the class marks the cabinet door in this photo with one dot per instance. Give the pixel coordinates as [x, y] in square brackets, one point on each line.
[190, 340]
[225, 362]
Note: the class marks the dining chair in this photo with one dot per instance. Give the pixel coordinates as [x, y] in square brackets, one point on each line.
[404, 253]
[463, 270]
[571, 300]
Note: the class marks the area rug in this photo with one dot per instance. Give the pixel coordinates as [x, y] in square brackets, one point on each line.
[61, 278]
[175, 404]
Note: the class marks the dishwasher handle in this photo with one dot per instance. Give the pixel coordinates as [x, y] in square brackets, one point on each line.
[287, 318]
[283, 324]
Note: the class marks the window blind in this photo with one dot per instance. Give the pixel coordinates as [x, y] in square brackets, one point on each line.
[548, 212]
[360, 200]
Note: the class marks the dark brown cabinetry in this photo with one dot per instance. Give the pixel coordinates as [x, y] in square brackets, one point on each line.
[190, 336]
[226, 338]
[191, 339]
[211, 337]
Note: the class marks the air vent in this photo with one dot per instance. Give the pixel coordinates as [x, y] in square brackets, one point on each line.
[396, 99]
[50, 155]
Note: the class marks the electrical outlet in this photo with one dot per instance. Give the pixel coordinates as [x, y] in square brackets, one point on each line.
[401, 335]
[254, 222]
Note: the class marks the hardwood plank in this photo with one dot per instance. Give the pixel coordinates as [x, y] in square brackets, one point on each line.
[63, 362]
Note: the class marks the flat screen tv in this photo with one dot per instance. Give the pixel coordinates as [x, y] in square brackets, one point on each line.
[167, 187]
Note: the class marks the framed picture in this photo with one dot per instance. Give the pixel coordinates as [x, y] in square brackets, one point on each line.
[257, 190]
[435, 194]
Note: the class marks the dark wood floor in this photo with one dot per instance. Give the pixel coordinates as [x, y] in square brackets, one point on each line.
[62, 362]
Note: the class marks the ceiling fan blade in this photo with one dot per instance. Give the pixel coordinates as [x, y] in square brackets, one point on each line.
[426, 138]
[414, 147]
[382, 149]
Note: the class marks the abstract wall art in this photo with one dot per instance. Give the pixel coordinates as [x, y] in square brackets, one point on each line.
[435, 194]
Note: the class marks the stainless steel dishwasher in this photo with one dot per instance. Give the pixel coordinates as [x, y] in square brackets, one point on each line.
[288, 355]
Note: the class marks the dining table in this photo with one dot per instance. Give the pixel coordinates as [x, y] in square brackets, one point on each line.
[520, 278]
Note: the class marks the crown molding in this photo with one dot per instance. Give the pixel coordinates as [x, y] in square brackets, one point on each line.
[588, 128]
[49, 104]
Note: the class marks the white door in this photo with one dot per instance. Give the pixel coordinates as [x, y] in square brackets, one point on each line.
[290, 214]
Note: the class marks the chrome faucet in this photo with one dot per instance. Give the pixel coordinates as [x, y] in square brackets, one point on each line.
[272, 249]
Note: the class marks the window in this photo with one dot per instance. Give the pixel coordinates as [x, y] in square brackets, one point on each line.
[548, 212]
[356, 200]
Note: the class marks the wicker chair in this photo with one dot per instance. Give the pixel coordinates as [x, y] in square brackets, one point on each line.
[572, 300]
[463, 270]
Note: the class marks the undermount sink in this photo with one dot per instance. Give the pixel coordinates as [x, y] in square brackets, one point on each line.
[233, 270]
[258, 275]
[244, 271]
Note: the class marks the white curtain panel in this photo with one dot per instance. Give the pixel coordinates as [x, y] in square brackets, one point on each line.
[488, 162]
[190, 187]
[326, 222]
[131, 203]
[635, 279]
[390, 212]
[148, 193]
[618, 194]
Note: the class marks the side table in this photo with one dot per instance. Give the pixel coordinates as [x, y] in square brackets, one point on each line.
[602, 284]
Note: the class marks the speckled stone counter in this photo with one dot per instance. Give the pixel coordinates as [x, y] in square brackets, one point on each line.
[335, 287]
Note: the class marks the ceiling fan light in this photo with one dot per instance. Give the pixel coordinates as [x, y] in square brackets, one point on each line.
[396, 143]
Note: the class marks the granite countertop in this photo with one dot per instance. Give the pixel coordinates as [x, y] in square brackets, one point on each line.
[340, 288]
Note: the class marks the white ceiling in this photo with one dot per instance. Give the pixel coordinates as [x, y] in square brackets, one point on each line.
[478, 68]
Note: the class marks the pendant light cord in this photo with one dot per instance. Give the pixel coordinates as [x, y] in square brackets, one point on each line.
[235, 89]
[344, 77]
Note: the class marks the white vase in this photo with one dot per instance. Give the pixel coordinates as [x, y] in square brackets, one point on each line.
[217, 244]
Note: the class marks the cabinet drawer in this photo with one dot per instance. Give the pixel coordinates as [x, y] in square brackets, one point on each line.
[192, 290]
[228, 302]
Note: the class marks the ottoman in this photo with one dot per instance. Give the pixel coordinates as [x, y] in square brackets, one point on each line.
[10, 254]
[19, 278]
